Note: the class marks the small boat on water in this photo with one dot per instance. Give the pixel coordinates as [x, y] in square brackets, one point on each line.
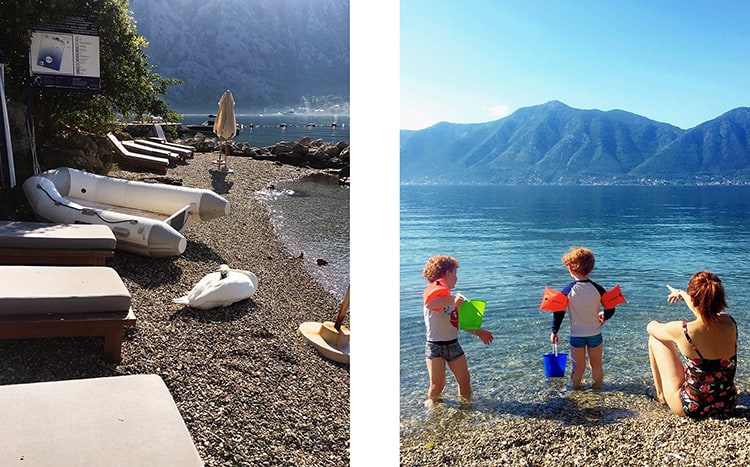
[146, 218]
[208, 126]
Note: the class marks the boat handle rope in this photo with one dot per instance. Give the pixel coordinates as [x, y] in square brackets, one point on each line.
[84, 211]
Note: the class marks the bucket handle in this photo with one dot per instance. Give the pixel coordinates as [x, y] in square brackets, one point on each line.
[554, 349]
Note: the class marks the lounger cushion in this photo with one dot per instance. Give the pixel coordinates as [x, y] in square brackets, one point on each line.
[37, 235]
[112, 421]
[61, 289]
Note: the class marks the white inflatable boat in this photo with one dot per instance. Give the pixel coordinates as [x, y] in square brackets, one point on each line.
[146, 218]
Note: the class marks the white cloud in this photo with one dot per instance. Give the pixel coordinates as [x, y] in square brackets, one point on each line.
[499, 111]
[412, 119]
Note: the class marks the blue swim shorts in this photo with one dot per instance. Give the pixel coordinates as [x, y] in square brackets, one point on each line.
[449, 350]
[589, 341]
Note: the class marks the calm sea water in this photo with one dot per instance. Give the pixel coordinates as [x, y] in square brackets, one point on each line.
[311, 216]
[510, 241]
[267, 130]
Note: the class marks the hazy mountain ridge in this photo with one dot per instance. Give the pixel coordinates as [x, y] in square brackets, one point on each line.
[553, 143]
[269, 53]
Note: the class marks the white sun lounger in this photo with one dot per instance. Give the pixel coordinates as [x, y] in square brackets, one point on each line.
[112, 421]
[140, 148]
[159, 164]
[162, 138]
[182, 154]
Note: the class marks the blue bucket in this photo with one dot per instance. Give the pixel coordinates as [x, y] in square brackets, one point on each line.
[554, 363]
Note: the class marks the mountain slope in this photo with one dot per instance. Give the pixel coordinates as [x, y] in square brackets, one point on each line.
[268, 53]
[554, 143]
[716, 149]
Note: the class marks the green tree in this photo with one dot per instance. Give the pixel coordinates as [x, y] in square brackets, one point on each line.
[130, 87]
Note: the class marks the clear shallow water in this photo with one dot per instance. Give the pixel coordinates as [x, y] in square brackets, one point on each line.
[311, 216]
[510, 241]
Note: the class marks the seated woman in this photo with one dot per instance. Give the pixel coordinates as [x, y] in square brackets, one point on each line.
[704, 386]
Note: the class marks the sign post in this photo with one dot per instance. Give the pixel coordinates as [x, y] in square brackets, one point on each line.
[65, 56]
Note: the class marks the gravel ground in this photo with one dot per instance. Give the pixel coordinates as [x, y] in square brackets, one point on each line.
[250, 390]
[581, 429]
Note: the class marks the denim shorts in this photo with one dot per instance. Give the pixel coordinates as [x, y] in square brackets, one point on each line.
[449, 350]
[589, 341]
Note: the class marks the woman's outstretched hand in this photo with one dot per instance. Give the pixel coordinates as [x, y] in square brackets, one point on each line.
[675, 295]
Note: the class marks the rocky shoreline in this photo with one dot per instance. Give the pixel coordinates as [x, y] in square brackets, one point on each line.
[250, 390]
[333, 158]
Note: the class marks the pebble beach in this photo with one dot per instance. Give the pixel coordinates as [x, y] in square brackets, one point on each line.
[581, 428]
[250, 390]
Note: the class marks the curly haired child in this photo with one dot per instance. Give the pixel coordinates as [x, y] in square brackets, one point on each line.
[441, 322]
[586, 319]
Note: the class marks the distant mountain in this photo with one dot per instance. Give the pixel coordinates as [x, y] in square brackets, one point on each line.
[269, 53]
[553, 143]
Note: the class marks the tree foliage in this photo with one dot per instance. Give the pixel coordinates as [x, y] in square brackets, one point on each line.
[130, 88]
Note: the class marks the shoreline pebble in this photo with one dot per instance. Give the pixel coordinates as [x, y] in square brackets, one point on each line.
[583, 429]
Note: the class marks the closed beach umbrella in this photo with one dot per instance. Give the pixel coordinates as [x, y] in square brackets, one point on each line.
[225, 125]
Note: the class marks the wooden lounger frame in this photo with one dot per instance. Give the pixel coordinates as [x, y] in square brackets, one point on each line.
[45, 244]
[56, 257]
[110, 325]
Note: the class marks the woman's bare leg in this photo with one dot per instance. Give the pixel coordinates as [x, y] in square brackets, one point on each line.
[668, 373]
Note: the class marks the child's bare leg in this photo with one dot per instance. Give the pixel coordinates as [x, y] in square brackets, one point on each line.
[578, 354]
[597, 369]
[436, 370]
[460, 369]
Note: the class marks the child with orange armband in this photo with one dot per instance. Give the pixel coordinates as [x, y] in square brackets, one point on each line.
[441, 321]
[583, 298]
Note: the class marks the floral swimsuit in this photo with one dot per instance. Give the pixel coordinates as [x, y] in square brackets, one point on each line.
[709, 384]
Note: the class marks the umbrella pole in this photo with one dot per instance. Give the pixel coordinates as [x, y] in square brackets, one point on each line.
[222, 159]
[342, 310]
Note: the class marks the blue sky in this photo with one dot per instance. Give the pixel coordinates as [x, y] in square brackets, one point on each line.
[678, 62]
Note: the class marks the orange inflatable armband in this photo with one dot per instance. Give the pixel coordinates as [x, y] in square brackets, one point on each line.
[612, 298]
[553, 300]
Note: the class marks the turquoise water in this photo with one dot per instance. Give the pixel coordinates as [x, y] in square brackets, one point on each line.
[510, 241]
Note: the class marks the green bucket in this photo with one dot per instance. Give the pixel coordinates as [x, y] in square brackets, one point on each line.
[470, 314]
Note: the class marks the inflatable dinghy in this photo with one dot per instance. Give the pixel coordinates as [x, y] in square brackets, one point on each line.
[146, 218]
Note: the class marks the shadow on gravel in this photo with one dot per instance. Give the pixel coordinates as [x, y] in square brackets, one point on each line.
[35, 360]
[145, 271]
[200, 252]
[219, 184]
[227, 314]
